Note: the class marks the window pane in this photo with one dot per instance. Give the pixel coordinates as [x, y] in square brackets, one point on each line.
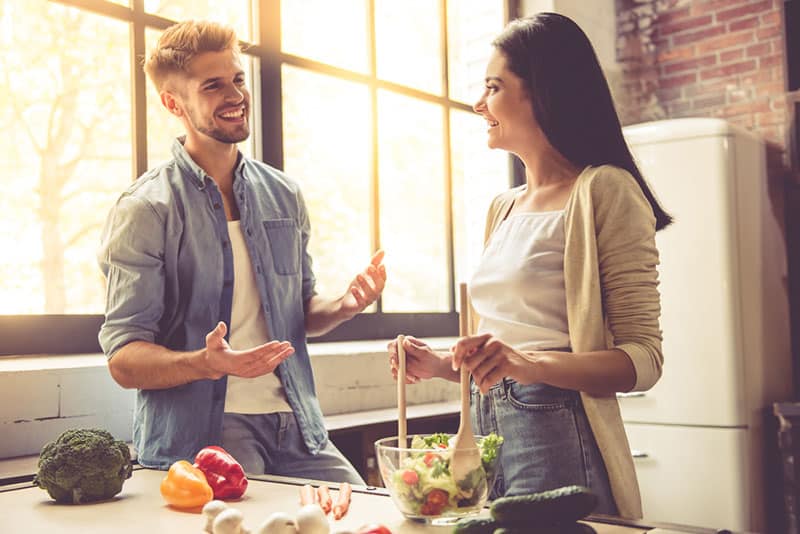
[235, 13]
[471, 27]
[412, 204]
[327, 149]
[326, 31]
[65, 152]
[163, 127]
[408, 46]
[479, 174]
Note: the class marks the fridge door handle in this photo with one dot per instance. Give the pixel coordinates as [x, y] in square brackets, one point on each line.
[639, 454]
[630, 394]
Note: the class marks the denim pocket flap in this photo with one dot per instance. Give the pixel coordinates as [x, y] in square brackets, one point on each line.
[539, 396]
[284, 240]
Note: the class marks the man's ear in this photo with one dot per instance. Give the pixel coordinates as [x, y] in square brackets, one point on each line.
[172, 102]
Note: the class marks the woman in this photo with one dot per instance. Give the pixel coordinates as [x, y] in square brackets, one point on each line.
[565, 294]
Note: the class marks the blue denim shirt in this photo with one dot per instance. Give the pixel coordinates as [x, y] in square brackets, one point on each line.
[166, 255]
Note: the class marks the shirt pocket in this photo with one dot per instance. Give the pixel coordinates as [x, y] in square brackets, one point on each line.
[284, 240]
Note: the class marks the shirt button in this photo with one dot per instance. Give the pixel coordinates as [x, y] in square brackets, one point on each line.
[216, 205]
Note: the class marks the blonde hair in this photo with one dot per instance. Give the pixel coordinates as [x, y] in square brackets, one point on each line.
[181, 42]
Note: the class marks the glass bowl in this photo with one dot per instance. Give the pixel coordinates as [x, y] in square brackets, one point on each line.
[419, 481]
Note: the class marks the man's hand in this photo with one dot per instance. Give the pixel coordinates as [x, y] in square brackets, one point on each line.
[365, 288]
[222, 360]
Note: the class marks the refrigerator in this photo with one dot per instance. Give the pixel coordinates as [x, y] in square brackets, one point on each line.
[697, 436]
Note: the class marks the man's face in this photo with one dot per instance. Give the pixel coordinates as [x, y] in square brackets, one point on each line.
[212, 98]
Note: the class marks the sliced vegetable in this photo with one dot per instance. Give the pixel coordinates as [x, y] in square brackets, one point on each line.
[185, 486]
[342, 501]
[223, 473]
[307, 495]
[324, 498]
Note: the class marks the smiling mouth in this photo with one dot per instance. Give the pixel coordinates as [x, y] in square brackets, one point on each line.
[233, 115]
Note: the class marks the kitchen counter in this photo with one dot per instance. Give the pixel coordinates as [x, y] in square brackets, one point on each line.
[140, 508]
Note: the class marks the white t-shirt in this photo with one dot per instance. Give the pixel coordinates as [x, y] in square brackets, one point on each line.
[518, 286]
[263, 394]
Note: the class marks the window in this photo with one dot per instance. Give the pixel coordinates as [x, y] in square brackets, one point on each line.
[375, 125]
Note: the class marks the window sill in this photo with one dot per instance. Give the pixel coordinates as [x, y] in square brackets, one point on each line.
[43, 395]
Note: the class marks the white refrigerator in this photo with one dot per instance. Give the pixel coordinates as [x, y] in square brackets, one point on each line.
[697, 436]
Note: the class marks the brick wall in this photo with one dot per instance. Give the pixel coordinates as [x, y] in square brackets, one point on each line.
[707, 58]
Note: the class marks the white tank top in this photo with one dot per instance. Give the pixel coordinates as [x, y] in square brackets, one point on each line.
[263, 394]
[518, 286]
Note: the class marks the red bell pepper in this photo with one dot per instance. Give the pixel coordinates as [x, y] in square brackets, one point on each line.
[223, 473]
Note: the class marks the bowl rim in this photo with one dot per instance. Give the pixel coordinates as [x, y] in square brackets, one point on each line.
[379, 443]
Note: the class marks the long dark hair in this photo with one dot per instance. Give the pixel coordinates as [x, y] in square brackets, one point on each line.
[571, 99]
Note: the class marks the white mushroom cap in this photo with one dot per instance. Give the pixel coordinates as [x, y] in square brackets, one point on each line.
[277, 523]
[311, 520]
[229, 521]
[211, 510]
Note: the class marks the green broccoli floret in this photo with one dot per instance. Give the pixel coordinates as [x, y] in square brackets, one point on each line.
[83, 465]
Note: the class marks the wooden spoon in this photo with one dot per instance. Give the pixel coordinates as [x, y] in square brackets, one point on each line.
[466, 456]
[401, 393]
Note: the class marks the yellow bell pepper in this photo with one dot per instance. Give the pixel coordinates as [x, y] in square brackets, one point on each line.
[185, 486]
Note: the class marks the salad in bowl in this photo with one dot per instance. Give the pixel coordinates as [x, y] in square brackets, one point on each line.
[420, 481]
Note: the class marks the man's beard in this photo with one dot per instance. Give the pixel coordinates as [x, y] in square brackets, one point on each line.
[237, 136]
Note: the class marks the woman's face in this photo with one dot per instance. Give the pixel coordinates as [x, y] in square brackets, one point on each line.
[506, 107]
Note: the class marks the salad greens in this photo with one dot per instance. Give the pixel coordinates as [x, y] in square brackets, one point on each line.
[423, 484]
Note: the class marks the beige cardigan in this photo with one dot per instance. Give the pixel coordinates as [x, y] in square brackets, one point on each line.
[611, 284]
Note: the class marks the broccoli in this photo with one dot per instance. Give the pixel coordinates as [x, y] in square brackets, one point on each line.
[83, 465]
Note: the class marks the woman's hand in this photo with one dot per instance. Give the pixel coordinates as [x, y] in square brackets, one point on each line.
[421, 361]
[489, 360]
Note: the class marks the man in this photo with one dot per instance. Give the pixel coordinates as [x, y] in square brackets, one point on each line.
[208, 269]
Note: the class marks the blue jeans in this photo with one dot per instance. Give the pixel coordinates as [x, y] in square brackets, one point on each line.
[272, 444]
[548, 442]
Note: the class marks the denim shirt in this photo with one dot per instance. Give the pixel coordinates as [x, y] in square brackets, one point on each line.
[166, 254]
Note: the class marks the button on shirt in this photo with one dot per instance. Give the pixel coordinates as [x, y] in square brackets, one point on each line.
[165, 251]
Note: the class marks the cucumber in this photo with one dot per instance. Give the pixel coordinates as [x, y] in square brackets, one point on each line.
[565, 528]
[479, 525]
[561, 505]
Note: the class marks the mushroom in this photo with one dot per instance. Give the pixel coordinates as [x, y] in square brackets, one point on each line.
[229, 521]
[211, 510]
[277, 523]
[311, 520]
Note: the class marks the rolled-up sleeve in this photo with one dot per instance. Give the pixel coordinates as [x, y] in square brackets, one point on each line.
[131, 256]
[628, 260]
[309, 280]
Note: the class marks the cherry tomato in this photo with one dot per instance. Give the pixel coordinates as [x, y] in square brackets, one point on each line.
[429, 458]
[436, 497]
[410, 477]
[430, 509]
[373, 528]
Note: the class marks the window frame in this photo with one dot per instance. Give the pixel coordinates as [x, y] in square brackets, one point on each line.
[70, 334]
